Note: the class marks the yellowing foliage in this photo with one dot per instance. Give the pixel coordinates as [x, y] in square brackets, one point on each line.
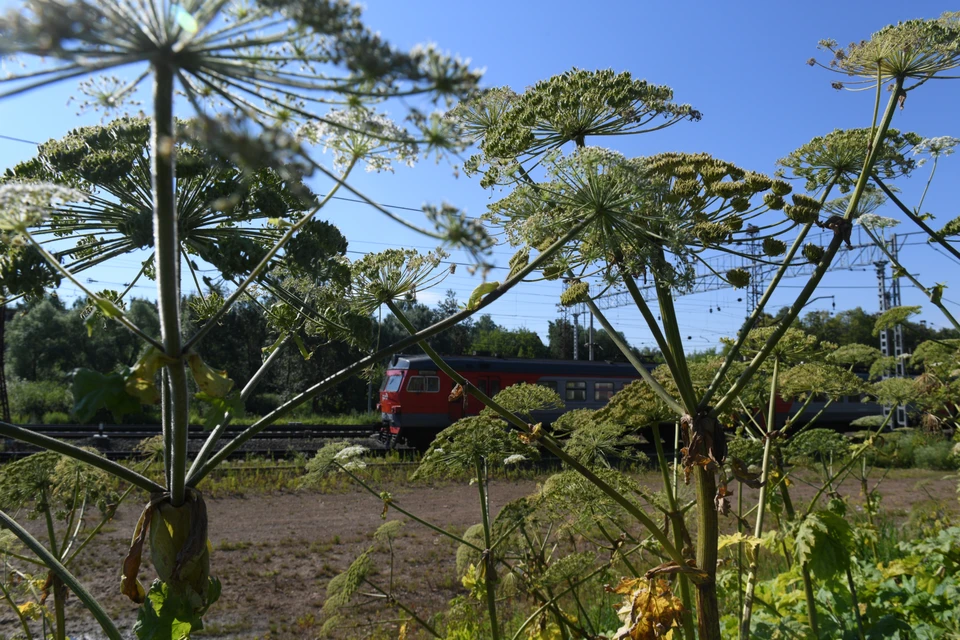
[650, 609]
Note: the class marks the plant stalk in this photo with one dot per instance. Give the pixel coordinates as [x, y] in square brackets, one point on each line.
[490, 576]
[167, 260]
[761, 505]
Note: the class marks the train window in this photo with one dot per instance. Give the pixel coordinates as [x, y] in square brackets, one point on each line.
[424, 384]
[391, 383]
[549, 384]
[576, 391]
[482, 385]
[853, 398]
[494, 387]
[819, 397]
[602, 391]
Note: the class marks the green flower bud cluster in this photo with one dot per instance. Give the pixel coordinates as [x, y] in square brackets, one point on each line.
[578, 291]
[839, 156]
[773, 201]
[738, 278]
[780, 188]
[804, 210]
[773, 247]
[813, 253]
[519, 260]
[711, 232]
[916, 49]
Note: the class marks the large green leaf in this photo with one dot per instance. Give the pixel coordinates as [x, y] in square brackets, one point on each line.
[824, 542]
[93, 391]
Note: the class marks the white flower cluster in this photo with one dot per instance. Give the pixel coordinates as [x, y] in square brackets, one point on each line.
[24, 204]
[357, 135]
[350, 452]
[514, 459]
[874, 222]
[936, 147]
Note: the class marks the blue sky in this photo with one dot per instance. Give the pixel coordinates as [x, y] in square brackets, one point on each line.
[741, 64]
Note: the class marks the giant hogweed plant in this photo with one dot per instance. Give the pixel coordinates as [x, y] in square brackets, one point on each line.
[264, 81]
[655, 217]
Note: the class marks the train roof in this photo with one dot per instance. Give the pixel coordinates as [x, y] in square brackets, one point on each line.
[520, 365]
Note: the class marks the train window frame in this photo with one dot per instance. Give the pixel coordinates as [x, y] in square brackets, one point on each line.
[431, 384]
[608, 390]
[573, 387]
[388, 378]
[549, 384]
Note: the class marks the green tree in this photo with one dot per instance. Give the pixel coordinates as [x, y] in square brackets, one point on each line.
[516, 343]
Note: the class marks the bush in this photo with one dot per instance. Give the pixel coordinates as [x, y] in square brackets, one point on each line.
[745, 449]
[868, 422]
[32, 400]
[817, 444]
[55, 417]
[263, 403]
[937, 456]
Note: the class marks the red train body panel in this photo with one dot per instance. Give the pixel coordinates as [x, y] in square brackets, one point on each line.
[414, 395]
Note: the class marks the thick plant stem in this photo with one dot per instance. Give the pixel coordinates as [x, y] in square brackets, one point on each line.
[490, 581]
[829, 253]
[761, 506]
[681, 374]
[59, 607]
[55, 566]
[651, 321]
[167, 242]
[59, 630]
[708, 525]
[165, 417]
[811, 599]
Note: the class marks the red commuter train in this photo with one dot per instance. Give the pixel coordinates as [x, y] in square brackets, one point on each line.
[414, 394]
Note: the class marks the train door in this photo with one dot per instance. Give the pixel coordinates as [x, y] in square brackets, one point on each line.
[487, 384]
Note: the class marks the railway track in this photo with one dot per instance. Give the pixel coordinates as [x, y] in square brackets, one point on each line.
[119, 441]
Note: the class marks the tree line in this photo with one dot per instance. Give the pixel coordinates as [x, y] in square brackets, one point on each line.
[46, 340]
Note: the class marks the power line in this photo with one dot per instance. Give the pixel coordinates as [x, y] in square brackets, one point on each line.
[19, 140]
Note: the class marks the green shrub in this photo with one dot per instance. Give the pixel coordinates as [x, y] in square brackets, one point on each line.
[32, 400]
[937, 456]
[263, 403]
[745, 449]
[868, 422]
[817, 444]
[55, 417]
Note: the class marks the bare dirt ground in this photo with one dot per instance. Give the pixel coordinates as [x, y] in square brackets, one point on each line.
[275, 553]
